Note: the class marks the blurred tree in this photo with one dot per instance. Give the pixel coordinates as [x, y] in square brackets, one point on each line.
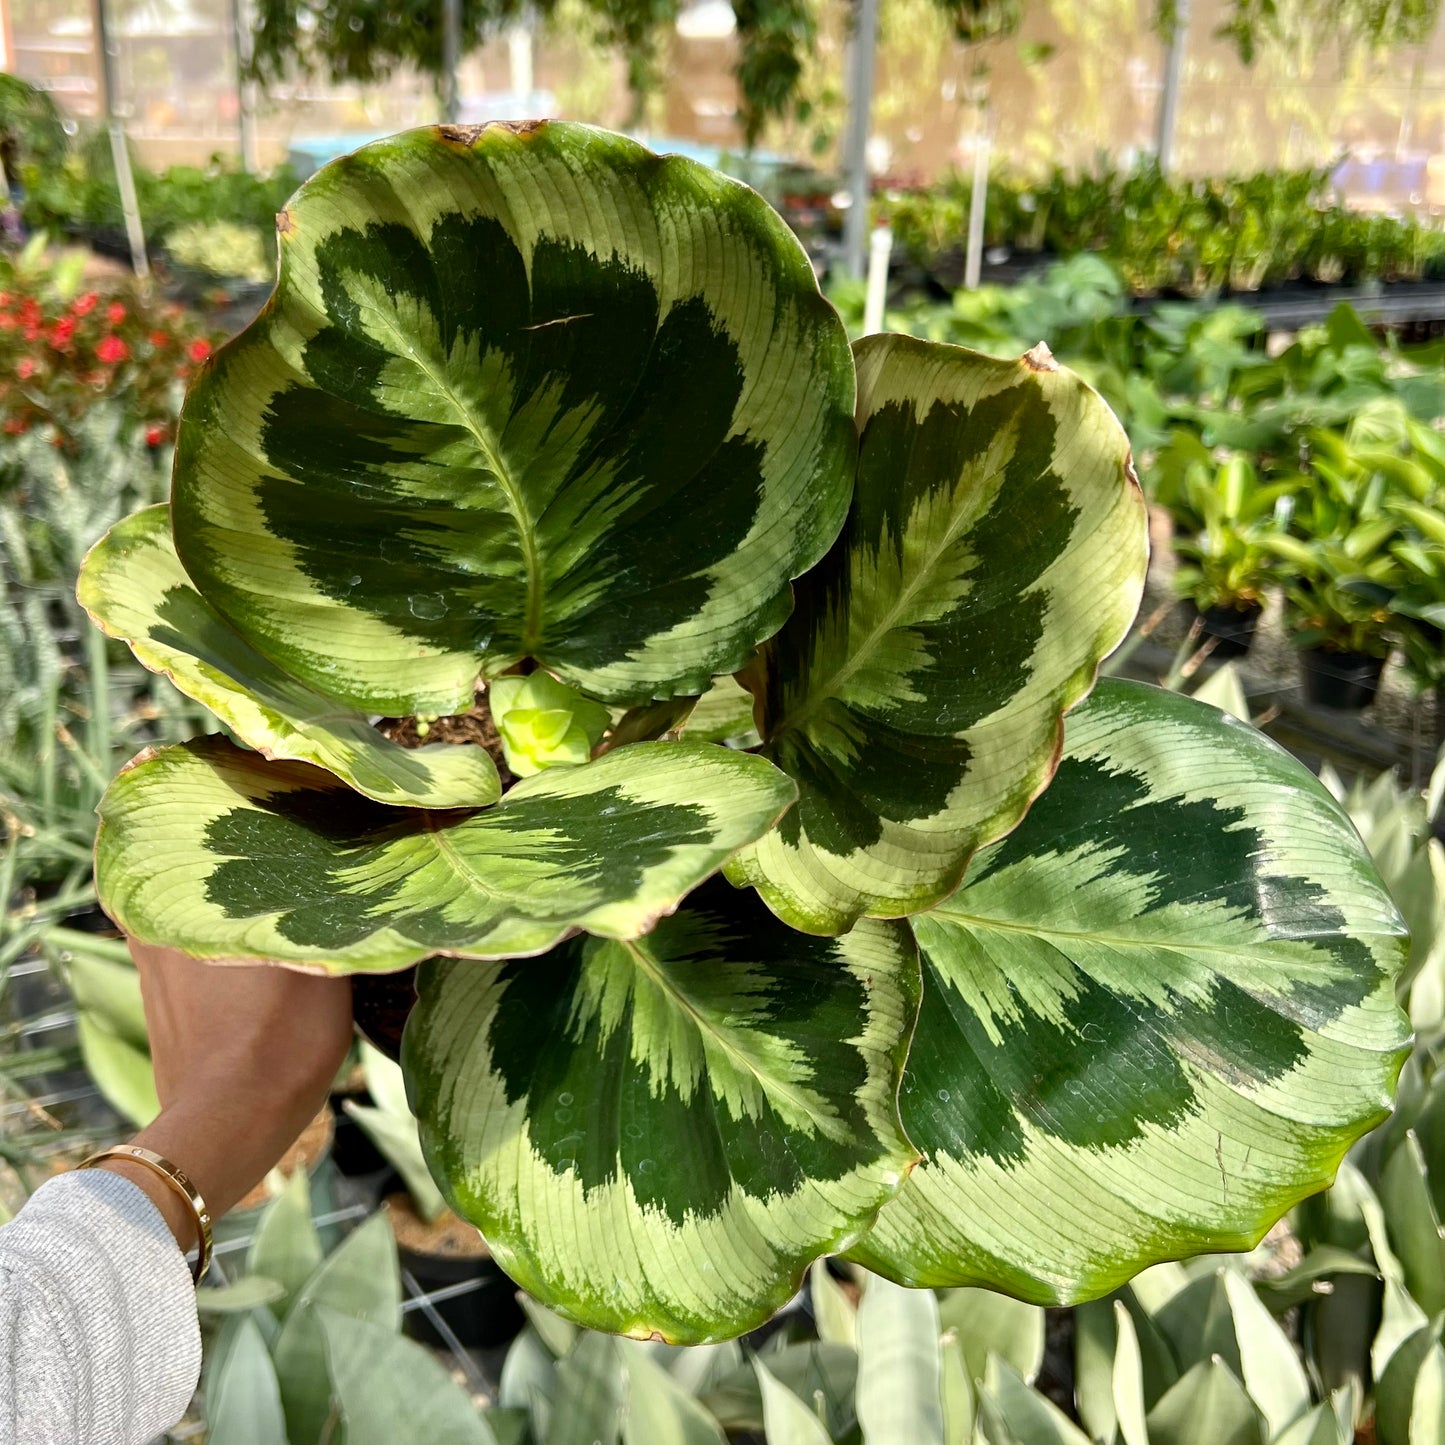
[1351, 24]
[365, 40]
[31, 130]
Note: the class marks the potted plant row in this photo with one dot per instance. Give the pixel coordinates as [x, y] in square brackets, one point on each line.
[1354, 536]
[1227, 563]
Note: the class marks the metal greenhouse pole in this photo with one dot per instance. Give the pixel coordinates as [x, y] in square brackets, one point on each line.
[451, 60]
[855, 154]
[1169, 96]
[124, 177]
[977, 205]
[245, 89]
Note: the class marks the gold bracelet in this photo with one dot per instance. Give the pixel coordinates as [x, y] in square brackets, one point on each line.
[178, 1183]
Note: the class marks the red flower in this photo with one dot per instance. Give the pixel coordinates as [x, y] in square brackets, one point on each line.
[25, 369]
[155, 435]
[115, 313]
[158, 338]
[199, 350]
[7, 321]
[60, 333]
[16, 426]
[111, 350]
[84, 304]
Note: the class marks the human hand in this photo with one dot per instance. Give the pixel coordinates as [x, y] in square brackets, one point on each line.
[244, 1056]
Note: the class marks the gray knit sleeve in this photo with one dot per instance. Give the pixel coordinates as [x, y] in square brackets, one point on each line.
[99, 1342]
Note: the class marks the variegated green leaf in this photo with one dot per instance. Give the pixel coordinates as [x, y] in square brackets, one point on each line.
[212, 850]
[522, 390]
[994, 554]
[659, 1136]
[1155, 1016]
[134, 587]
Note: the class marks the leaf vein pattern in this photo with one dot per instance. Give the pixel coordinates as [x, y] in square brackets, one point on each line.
[774, 1089]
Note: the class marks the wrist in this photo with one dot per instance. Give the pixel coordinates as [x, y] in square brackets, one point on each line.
[179, 1219]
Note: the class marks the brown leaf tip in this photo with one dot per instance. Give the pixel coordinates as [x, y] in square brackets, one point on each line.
[468, 135]
[1040, 358]
[462, 135]
[144, 756]
[285, 223]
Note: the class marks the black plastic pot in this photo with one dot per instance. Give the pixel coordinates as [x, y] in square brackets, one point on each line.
[480, 1318]
[381, 1003]
[355, 1155]
[1346, 681]
[1230, 628]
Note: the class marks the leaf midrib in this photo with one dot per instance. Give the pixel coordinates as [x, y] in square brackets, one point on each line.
[460, 866]
[1124, 940]
[851, 665]
[532, 621]
[770, 1088]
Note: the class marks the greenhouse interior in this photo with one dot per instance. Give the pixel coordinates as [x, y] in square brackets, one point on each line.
[887, 558]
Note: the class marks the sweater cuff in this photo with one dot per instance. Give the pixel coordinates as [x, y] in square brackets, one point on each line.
[105, 1247]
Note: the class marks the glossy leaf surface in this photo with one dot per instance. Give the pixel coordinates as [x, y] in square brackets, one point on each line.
[134, 587]
[1155, 1016]
[522, 390]
[994, 554]
[211, 850]
[658, 1136]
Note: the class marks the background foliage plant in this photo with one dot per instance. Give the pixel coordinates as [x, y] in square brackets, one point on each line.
[1180, 235]
[66, 349]
[1228, 561]
[541, 427]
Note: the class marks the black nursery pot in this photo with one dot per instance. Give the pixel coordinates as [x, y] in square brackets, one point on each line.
[355, 1155]
[1231, 629]
[381, 1003]
[1347, 681]
[481, 1317]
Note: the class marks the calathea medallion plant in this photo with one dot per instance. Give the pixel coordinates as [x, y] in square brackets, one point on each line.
[536, 411]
